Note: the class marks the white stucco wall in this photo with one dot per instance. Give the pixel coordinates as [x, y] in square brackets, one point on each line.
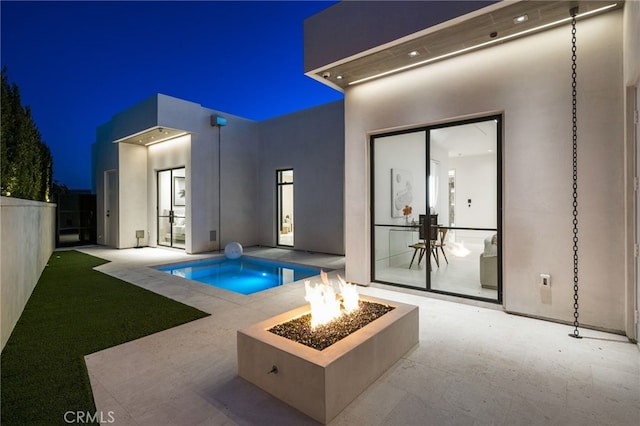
[104, 157]
[197, 152]
[239, 169]
[107, 156]
[27, 232]
[164, 156]
[476, 179]
[310, 142]
[132, 183]
[238, 172]
[529, 81]
[441, 156]
[191, 117]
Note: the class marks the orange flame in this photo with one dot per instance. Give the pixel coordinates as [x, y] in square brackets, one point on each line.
[326, 305]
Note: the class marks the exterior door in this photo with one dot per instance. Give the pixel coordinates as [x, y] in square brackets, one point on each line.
[466, 252]
[284, 226]
[436, 208]
[111, 209]
[172, 208]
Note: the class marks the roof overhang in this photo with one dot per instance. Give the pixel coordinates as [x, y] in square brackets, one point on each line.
[152, 136]
[495, 24]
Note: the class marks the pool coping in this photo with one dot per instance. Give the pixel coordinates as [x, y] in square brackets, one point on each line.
[268, 260]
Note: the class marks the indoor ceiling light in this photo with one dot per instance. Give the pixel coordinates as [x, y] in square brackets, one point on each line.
[485, 44]
[414, 53]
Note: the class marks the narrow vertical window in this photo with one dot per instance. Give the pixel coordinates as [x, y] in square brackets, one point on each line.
[285, 222]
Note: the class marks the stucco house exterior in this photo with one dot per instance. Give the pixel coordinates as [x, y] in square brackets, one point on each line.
[416, 74]
[447, 170]
[169, 172]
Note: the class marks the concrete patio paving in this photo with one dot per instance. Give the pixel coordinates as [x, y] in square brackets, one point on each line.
[473, 365]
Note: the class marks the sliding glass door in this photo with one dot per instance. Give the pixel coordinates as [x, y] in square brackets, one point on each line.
[436, 208]
[171, 207]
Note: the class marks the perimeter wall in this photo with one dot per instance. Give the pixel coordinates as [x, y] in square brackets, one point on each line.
[27, 233]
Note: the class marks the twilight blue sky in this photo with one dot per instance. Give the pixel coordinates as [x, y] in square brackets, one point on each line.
[78, 63]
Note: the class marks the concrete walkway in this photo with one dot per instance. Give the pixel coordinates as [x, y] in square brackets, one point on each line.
[473, 366]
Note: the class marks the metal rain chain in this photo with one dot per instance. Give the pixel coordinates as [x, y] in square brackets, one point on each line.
[574, 113]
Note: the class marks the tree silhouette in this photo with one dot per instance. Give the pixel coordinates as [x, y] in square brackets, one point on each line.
[26, 163]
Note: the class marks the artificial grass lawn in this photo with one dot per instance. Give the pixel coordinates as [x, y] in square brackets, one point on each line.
[72, 312]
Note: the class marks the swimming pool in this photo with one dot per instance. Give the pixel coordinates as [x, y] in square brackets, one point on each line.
[246, 275]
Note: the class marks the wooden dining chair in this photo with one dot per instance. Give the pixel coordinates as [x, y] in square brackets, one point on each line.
[420, 247]
[433, 239]
[440, 243]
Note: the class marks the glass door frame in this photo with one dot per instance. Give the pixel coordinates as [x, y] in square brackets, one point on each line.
[499, 196]
[280, 185]
[372, 206]
[171, 216]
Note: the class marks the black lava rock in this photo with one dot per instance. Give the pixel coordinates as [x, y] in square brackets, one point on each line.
[299, 329]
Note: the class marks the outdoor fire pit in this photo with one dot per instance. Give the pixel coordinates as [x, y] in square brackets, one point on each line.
[321, 383]
[299, 329]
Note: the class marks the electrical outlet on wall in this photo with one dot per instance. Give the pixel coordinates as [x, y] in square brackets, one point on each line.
[545, 280]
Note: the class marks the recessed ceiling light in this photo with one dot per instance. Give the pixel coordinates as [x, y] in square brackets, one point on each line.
[414, 53]
[339, 77]
[520, 19]
[481, 45]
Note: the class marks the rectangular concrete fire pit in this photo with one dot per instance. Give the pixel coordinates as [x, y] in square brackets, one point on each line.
[322, 383]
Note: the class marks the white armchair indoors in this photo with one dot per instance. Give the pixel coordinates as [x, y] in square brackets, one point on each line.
[489, 263]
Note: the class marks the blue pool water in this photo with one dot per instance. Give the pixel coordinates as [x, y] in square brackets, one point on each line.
[246, 275]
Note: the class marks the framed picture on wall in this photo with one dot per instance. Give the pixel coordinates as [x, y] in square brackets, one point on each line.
[401, 190]
[179, 191]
